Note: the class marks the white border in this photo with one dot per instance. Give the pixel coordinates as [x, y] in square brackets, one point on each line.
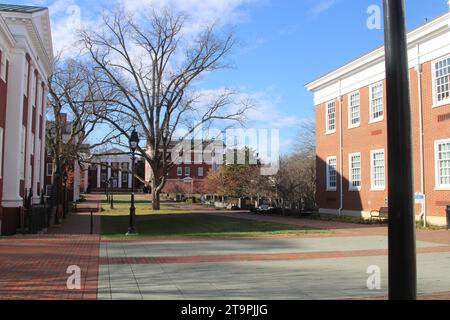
[326, 117]
[380, 119]
[436, 166]
[372, 187]
[350, 173]
[437, 104]
[328, 188]
[349, 111]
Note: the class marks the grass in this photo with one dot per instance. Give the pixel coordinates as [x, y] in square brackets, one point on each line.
[172, 222]
[195, 225]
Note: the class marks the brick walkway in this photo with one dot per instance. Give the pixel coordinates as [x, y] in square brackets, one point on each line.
[34, 267]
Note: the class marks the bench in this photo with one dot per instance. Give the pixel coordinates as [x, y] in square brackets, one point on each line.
[380, 215]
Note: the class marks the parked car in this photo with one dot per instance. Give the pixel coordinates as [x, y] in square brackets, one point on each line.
[265, 208]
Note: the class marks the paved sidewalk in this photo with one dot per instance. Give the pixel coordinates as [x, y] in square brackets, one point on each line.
[34, 267]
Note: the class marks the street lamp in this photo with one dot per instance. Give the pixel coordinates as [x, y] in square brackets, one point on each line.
[111, 179]
[65, 178]
[134, 143]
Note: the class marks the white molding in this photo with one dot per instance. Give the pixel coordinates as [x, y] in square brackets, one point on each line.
[350, 173]
[327, 130]
[372, 187]
[349, 111]
[437, 104]
[328, 188]
[372, 120]
[438, 186]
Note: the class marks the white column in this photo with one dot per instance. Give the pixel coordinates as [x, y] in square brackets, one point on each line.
[119, 178]
[109, 170]
[13, 128]
[99, 176]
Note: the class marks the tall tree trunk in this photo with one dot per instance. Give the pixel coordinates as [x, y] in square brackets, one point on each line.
[156, 196]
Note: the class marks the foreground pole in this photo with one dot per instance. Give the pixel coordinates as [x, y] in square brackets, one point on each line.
[402, 229]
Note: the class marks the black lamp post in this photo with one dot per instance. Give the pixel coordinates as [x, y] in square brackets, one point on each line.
[65, 178]
[111, 180]
[134, 143]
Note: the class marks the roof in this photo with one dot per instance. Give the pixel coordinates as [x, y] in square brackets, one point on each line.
[379, 48]
[20, 9]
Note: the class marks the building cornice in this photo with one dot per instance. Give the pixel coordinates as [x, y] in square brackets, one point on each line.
[428, 30]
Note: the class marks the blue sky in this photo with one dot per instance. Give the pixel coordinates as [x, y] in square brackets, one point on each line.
[283, 45]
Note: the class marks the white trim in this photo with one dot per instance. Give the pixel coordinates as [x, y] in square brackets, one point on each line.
[438, 186]
[327, 119]
[437, 104]
[349, 107]
[328, 188]
[187, 172]
[371, 118]
[350, 170]
[372, 186]
[179, 171]
[202, 171]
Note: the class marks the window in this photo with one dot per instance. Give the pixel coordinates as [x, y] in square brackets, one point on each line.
[48, 190]
[200, 172]
[378, 170]
[442, 80]
[49, 169]
[187, 171]
[355, 171]
[180, 171]
[376, 102]
[331, 174]
[354, 110]
[442, 155]
[26, 77]
[331, 117]
[1, 152]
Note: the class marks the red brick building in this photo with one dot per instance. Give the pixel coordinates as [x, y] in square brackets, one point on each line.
[26, 61]
[190, 163]
[350, 104]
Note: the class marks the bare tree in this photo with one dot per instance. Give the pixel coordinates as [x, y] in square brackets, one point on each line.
[71, 117]
[150, 66]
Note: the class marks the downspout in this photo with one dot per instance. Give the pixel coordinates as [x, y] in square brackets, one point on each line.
[341, 182]
[423, 214]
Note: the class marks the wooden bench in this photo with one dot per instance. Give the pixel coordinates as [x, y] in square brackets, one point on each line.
[380, 215]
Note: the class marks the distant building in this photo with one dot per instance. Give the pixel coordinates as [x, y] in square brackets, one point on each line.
[26, 61]
[117, 164]
[78, 175]
[352, 153]
[189, 167]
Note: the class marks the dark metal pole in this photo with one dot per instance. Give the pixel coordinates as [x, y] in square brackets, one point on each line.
[402, 226]
[132, 229]
[92, 222]
[112, 195]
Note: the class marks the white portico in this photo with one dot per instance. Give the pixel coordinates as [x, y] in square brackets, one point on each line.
[116, 164]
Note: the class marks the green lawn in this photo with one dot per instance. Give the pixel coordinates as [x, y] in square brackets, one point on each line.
[171, 222]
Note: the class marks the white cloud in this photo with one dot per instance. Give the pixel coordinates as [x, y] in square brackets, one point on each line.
[323, 5]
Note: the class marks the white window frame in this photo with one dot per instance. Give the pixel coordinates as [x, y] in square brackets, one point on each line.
[202, 172]
[437, 103]
[381, 118]
[179, 171]
[49, 170]
[350, 113]
[330, 188]
[187, 171]
[350, 176]
[26, 77]
[1, 153]
[372, 170]
[327, 118]
[439, 186]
